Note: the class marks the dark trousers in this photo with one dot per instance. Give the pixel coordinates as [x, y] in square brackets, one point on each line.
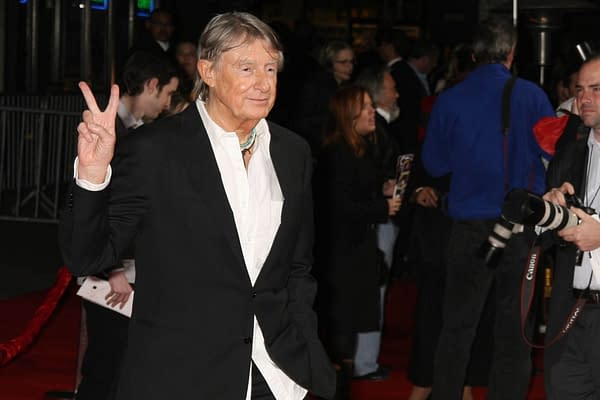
[468, 282]
[576, 374]
[107, 340]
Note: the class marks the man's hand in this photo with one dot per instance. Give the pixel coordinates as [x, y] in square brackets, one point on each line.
[394, 204]
[120, 289]
[557, 195]
[388, 187]
[586, 235]
[97, 137]
[427, 197]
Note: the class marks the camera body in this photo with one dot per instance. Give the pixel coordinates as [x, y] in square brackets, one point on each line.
[523, 208]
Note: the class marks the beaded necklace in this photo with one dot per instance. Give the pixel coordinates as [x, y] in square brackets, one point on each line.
[245, 147]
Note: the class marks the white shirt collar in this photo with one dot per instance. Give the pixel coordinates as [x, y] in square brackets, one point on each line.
[217, 134]
[127, 118]
[394, 61]
[164, 45]
[386, 115]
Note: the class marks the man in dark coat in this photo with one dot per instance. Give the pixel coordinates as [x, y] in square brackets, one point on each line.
[219, 203]
[570, 365]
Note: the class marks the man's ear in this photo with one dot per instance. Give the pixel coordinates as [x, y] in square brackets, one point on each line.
[207, 72]
[151, 85]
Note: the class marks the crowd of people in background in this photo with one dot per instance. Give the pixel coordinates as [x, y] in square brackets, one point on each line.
[359, 113]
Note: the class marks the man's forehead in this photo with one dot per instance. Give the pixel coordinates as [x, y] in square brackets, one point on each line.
[589, 75]
[252, 51]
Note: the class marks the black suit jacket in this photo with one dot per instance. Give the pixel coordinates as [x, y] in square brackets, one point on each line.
[410, 95]
[568, 165]
[190, 332]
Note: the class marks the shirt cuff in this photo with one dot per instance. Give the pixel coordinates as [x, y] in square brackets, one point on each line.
[92, 187]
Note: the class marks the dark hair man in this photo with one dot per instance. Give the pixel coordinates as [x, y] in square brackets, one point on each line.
[465, 138]
[158, 35]
[411, 76]
[147, 84]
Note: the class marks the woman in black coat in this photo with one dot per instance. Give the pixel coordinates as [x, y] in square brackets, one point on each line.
[350, 202]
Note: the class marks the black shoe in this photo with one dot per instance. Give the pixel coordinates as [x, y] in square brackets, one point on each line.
[380, 374]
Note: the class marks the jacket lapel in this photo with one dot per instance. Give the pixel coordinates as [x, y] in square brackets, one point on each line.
[282, 170]
[205, 178]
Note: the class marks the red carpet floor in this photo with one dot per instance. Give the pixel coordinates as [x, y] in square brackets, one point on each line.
[50, 363]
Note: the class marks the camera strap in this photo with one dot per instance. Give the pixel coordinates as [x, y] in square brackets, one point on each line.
[528, 284]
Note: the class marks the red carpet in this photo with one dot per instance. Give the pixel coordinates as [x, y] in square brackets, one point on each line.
[50, 363]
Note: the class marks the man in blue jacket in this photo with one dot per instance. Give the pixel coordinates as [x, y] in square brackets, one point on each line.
[465, 137]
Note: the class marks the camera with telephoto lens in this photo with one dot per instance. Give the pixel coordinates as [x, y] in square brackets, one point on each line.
[523, 208]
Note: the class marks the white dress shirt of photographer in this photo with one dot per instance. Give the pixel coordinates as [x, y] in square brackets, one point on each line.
[586, 235]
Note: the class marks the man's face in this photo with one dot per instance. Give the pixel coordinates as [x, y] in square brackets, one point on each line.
[588, 94]
[242, 84]
[187, 58]
[389, 94]
[161, 26]
[160, 100]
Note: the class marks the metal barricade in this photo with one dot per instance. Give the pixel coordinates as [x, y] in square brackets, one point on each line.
[37, 149]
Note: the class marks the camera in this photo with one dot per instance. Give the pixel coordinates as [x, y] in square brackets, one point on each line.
[523, 208]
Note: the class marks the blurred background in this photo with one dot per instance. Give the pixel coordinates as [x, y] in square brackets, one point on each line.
[49, 45]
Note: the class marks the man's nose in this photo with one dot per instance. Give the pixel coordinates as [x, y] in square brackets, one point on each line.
[262, 81]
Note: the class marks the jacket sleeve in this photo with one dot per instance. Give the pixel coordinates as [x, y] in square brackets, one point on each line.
[96, 228]
[302, 289]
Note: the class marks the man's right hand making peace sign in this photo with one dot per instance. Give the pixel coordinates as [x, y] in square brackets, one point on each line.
[97, 137]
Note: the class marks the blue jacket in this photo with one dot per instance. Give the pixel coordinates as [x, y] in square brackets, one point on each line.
[464, 137]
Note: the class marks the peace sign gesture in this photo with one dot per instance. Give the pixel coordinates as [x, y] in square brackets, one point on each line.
[97, 136]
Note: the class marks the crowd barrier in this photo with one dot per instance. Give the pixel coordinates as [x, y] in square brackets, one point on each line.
[15, 346]
[37, 147]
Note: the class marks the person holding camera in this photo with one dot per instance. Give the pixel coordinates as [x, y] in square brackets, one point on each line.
[465, 137]
[571, 365]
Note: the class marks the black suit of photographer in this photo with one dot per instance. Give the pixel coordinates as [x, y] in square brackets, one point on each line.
[570, 164]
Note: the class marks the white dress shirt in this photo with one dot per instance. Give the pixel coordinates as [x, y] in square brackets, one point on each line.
[256, 200]
[394, 61]
[582, 274]
[386, 115]
[127, 118]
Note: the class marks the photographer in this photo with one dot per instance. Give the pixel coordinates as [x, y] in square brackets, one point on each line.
[571, 365]
[465, 137]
